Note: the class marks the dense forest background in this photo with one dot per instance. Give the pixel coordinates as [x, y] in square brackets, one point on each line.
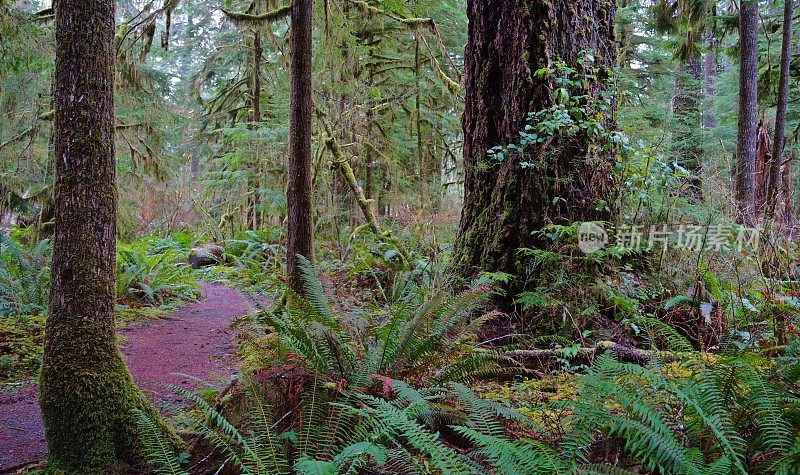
[460, 236]
[188, 79]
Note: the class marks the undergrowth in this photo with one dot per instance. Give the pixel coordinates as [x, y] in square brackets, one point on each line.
[384, 392]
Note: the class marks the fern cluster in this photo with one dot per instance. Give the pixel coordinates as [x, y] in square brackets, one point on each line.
[416, 336]
[385, 397]
[726, 414]
[400, 434]
[24, 276]
[153, 278]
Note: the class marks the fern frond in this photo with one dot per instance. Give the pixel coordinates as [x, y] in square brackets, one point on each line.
[159, 450]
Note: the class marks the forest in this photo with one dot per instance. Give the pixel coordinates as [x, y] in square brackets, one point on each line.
[377, 237]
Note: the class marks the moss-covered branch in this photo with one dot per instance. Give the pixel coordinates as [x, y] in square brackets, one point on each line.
[365, 204]
[536, 358]
[241, 18]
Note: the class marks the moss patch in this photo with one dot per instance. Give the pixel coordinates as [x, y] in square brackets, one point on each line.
[21, 340]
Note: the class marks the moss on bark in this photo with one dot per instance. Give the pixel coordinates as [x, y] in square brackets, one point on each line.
[88, 405]
[87, 394]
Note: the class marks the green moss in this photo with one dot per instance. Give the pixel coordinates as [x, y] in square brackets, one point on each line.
[21, 340]
[87, 407]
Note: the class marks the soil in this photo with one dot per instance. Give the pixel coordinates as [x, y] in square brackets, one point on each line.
[192, 348]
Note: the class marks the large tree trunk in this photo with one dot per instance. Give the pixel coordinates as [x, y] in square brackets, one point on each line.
[298, 195]
[504, 202]
[780, 113]
[87, 393]
[748, 112]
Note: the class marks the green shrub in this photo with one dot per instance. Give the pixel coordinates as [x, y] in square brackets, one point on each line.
[24, 277]
[144, 278]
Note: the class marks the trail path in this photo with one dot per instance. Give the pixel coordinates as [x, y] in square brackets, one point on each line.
[194, 342]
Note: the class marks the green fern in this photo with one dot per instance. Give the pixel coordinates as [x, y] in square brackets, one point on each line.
[158, 447]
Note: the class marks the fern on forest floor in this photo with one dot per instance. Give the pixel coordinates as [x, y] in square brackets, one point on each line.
[354, 411]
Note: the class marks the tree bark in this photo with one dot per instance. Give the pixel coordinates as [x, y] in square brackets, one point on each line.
[298, 196]
[87, 393]
[780, 113]
[255, 176]
[258, 52]
[748, 112]
[505, 203]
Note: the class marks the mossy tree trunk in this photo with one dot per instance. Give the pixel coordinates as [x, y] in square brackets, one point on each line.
[254, 186]
[298, 195]
[504, 202]
[87, 393]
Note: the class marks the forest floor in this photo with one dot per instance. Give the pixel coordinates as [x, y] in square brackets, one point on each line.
[194, 344]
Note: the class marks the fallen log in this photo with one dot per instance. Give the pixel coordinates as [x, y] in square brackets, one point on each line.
[625, 353]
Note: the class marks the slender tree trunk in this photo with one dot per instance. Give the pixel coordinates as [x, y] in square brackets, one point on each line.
[709, 85]
[87, 393]
[422, 174]
[763, 164]
[748, 111]
[254, 186]
[686, 109]
[504, 203]
[298, 196]
[258, 52]
[780, 114]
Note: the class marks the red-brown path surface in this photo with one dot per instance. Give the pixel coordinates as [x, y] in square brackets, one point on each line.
[195, 341]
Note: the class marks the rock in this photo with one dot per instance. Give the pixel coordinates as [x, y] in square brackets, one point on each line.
[208, 255]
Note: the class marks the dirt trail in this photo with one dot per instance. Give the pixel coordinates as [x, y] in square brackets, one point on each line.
[195, 342]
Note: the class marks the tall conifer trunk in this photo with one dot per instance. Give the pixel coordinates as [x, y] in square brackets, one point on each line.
[780, 113]
[298, 196]
[505, 202]
[87, 393]
[748, 112]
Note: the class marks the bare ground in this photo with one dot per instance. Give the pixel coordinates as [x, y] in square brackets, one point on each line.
[194, 343]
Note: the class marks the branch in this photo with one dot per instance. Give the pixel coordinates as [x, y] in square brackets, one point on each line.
[44, 14]
[255, 20]
[340, 162]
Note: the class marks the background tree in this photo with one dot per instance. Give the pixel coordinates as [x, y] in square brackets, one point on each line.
[301, 107]
[780, 113]
[87, 393]
[687, 24]
[505, 202]
[748, 111]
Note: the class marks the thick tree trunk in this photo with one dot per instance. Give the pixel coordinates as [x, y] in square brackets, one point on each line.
[748, 112]
[780, 113]
[504, 202]
[298, 196]
[87, 393]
